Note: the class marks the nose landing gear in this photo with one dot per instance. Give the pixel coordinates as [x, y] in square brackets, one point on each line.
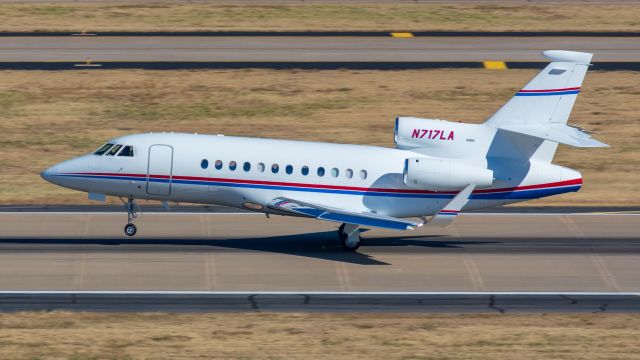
[132, 213]
[349, 235]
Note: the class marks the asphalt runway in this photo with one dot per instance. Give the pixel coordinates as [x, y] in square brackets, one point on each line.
[214, 253]
[308, 49]
[248, 252]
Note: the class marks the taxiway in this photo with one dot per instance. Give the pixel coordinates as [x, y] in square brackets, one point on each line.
[307, 49]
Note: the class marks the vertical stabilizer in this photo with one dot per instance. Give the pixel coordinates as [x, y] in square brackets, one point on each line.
[546, 101]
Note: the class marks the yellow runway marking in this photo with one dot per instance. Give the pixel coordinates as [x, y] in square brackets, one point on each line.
[401, 34]
[495, 65]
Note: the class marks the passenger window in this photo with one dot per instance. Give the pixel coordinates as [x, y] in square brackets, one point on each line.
[114, 150]
[103, 149]
[218, 164]
[232, 165]
[246, 166]
[335, 172]
[203, 164]
[305, 170]
[289, 169]
[275, 168]
[126, 151]
[349, 173]
[321, 171]
[363, 174]
[261, 167]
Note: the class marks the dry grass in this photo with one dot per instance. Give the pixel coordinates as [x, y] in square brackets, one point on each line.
[46, 117]
[314, 336]
[356, 16]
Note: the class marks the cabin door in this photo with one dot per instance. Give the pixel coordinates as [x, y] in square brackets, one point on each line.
[159, 175]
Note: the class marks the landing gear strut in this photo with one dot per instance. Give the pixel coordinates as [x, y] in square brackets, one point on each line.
[349, 235]
[132, 213]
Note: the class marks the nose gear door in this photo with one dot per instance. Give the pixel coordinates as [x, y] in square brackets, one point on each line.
[159, 176]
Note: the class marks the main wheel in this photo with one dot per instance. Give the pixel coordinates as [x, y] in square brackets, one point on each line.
[347, 245]
[344, 239]
[130, 229]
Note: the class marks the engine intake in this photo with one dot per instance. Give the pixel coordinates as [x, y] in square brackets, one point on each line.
[439, 174]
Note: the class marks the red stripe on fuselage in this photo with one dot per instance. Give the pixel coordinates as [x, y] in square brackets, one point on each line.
[337, 187]
[531, 187]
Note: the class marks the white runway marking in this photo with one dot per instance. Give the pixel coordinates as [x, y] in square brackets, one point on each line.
[347, 293]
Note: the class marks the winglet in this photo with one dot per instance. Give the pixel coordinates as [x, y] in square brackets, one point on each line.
[446, 216]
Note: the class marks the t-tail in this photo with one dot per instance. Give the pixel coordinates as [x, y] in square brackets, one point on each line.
[512, 150]
[541, 109]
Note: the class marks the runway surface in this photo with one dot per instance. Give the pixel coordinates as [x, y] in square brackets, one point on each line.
[248, 252]
[308, 49]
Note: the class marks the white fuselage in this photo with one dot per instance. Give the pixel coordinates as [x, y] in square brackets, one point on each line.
[170, 167]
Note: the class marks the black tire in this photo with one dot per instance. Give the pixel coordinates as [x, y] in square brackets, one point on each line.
[130, 229]
[341, 230]
[343, 241]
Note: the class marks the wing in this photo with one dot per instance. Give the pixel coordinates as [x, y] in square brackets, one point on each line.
[330, 214]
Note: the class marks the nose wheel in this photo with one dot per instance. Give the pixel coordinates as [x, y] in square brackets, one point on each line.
[130, 229]
[349, 235]
[132, 213]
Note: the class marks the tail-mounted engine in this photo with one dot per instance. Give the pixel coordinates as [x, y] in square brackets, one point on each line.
[438, 174]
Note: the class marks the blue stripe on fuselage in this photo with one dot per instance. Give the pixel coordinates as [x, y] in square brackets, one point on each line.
[509, 194]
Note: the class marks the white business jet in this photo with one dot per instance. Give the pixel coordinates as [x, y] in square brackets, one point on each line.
[437, 169]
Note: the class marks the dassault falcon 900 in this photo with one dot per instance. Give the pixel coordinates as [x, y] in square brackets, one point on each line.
[437, 169]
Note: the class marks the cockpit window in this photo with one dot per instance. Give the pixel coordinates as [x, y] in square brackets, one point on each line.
[103, 149]
[126, 151]
[114, 150]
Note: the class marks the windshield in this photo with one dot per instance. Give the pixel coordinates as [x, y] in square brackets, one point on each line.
[103, 149]
[126, 151]
[114, 150]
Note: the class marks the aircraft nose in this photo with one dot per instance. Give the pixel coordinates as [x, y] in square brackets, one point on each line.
[50, 173]
[56, 173]
[46, 174]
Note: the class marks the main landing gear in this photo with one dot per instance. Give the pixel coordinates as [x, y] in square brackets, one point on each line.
[349, 235]
[132, 213]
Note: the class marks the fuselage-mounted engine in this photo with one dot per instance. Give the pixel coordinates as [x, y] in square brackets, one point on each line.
[438, 174]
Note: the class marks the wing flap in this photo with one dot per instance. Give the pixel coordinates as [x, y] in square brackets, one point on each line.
[343, 216]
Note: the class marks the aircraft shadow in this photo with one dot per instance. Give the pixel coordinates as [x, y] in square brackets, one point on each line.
[318, 245]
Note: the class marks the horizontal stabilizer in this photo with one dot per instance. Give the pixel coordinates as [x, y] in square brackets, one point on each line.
[568, 56]
[559, 133]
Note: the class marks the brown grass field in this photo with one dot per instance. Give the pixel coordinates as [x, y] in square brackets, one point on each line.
[60, 335]
[46, 117]
[201, 16]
